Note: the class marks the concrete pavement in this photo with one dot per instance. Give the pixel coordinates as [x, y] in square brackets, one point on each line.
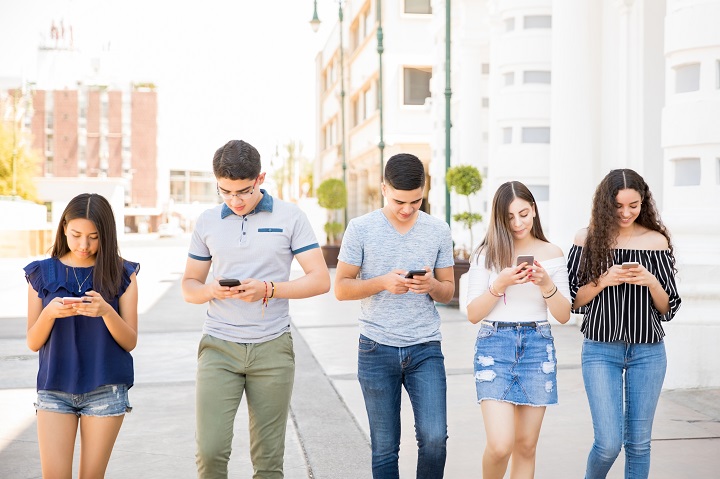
[327, 430]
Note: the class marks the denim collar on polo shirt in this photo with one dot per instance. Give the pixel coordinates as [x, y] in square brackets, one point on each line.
[265, 204]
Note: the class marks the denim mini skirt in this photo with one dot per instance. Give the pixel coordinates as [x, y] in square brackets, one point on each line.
[516, 363]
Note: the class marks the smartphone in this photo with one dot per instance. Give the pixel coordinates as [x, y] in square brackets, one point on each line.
[525, 258]
[630, 264]
[415, 272]
[229, 282]
[71, 300]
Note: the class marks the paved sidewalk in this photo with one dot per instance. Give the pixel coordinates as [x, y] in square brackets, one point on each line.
[327, 432]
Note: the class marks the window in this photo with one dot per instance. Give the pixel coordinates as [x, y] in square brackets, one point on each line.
[507, 135]
[540, 192]
[485, 68]
[486, 102]
[537, 21]
[687, 78]
[539, 76]
[687, 171]
[355, 109]
[365, 104]
[509, 78]
[416, 85]
[368, 21]
[509, 24]
[717, 171]
[717, 74]
[418, 6]
[536, 134]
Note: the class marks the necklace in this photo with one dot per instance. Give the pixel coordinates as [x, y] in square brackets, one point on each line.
[80, 285]
[632, 233]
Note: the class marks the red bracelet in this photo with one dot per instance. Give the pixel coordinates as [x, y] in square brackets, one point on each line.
[264, 303]
[496, 294]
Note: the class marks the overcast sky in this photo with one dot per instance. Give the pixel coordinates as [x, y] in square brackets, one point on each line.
[225, 69]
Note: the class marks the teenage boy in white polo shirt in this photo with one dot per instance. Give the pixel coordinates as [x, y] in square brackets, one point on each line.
[246, 345]
[399, 324]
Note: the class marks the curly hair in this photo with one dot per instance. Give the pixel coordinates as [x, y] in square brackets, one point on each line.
[603, 230]
[498, 242]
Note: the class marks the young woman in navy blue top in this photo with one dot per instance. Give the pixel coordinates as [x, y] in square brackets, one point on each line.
[622, 277]
[85, 363]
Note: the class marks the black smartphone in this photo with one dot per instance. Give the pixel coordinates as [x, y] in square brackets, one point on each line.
[415, 272]
[229, 282]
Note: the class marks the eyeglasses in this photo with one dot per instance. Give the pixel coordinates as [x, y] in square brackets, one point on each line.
[243, 195]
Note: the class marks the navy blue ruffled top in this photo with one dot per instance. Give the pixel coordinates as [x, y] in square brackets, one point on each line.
[80, 354]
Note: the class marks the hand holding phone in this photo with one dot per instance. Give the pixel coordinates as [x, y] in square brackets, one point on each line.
[415, 272]
[630, 264]
[229, 282]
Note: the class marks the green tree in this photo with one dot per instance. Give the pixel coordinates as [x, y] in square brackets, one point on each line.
[25, 163]
[332, 195]
[465, 180]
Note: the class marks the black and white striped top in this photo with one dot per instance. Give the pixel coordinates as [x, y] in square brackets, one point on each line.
[626, 312]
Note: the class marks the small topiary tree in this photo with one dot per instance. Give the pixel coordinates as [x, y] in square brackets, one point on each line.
[332, 195]
[465, 180]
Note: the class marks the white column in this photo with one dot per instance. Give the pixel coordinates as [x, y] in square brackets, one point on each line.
[576, 94]
[691, 142]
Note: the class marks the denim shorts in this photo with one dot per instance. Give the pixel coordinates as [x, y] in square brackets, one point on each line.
[516, 364]
[108, 400]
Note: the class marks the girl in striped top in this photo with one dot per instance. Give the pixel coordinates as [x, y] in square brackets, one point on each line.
[621, 273]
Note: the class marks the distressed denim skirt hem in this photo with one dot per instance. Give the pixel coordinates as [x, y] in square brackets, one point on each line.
[516, 364]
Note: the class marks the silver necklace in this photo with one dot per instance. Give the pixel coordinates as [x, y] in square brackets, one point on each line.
[80, 285]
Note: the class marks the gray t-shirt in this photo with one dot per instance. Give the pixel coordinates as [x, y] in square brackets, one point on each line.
[373, 244]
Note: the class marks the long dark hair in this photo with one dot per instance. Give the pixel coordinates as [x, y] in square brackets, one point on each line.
[107, 274]
[603, 230]
[498, 244]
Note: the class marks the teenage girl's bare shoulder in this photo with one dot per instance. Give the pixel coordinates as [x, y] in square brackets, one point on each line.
[652, 240]
[580, 237]
[548, 251]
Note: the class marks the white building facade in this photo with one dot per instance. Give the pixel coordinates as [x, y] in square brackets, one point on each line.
[406, 71]
[556, 93]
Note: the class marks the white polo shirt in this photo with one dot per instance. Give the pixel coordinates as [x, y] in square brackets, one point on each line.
[259, 245]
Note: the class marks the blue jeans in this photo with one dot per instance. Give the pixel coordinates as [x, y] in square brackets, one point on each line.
[382, 372]
[611, 371]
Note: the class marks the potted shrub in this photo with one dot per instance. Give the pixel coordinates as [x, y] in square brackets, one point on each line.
[332, 195]
[464, 180]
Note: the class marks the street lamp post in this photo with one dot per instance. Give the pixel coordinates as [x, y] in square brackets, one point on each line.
[315, 24]
[448, 94]
[380, 49]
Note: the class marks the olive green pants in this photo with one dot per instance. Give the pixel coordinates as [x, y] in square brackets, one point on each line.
[265, 372]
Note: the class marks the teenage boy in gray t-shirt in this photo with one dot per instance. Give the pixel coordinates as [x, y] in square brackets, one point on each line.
[246, 345]
[399, 324]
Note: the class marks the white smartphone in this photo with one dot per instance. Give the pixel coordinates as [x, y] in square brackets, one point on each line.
[630, 264]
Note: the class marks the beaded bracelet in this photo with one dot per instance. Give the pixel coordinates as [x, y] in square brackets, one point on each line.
[496, 294]
[264, 303]
[551, 294]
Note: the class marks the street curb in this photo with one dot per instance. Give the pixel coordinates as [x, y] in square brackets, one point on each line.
[333, 443]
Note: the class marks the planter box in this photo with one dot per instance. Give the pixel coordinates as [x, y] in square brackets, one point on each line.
[461, 267]
[330, 253]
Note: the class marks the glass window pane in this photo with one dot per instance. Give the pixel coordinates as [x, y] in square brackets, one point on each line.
[687, 78]
[509, 78]
[540, 192]
[687, 171]
[537, 21]
[418, 6]
[509, 24]
[416, 86]
[536, 134]
[539, 76]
